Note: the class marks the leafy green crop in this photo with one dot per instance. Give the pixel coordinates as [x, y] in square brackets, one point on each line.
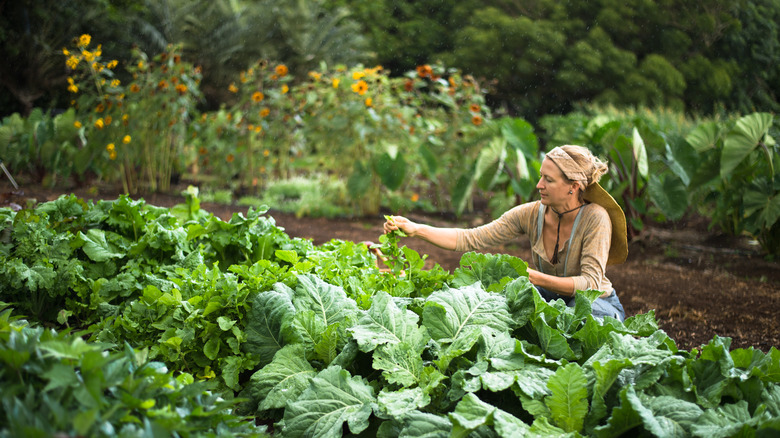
[318, 341]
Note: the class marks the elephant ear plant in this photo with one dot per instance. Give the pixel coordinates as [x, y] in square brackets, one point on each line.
[739, 176]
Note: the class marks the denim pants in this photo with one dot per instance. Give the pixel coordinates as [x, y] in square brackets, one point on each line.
[606, 306]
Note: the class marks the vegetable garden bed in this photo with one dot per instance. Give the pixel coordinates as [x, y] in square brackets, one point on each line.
[318, 341]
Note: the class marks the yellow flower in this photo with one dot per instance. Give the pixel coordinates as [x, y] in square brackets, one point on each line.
[110, 147]
[369, 102]
[360, 87]
[258, 129]
[115, 83]
[336, 82]
[72, 62]
[281, 70]
[358, 75]
[258, 96]
[285, 89]
[112, 155]
[232, 88]
[314, 75]
[73, 88]
[126, 139]
[141, 65]
[264, 112]
[99, 123]
[84, 40]
[77, 124]
[266, 153]
[112, 64]
[88, 56]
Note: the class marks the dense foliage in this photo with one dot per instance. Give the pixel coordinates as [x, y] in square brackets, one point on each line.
[544, 56]
[182, 312]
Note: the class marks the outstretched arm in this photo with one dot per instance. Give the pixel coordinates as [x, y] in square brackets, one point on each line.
[445, 238]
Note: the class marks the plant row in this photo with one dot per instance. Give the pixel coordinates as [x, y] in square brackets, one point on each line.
[189, 324]
[354, 140]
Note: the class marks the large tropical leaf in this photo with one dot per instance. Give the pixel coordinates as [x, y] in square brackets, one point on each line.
[746, 136]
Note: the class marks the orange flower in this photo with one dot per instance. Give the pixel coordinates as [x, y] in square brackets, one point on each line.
[162, 85]
[230, 158]
[77, 124]
[285, 89]
[181, 88]
[360, 87]
[108, 120]
[257, 96]
[135, 88]
[476, 120]
[232, 88]
[369, 102]
[474, 108]
[408, 85]
[264, 112]
[281, 70]
[424, 71]
[415, 197]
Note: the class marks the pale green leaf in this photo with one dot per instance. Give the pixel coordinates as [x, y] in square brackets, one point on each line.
[386, 323]
[332, 399]
[282, 380]
[451, 313]
[568, 399]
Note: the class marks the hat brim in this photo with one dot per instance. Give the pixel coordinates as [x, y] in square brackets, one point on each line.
[618, 250]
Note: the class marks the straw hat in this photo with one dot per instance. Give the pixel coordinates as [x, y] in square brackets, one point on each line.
[589, 174]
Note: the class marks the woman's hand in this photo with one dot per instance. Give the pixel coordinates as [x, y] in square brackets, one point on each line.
[401, 223]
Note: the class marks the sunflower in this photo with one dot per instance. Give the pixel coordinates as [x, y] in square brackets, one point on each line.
[360, 87]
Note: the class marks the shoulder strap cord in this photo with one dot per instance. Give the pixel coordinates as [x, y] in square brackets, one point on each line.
[540, 224]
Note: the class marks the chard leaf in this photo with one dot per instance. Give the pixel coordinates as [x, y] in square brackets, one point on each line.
[727, 420]
[304, 328]
[329, 303]
[493, 271]
[282, 380]
[332, 398]
[424, 425]
[386, 323]
[326, 349]
[96, 247]
[400, 364]
[268, 312]
[396, 404]
[552, 341]
[472, 413]
[453, 313]
[568, 399]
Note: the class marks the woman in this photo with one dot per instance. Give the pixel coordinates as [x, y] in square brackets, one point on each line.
[576, 230]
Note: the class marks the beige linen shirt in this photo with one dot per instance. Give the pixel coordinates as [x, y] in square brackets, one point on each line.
[583, 257]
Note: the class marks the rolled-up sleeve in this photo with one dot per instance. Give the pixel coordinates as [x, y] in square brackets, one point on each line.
[509, 226]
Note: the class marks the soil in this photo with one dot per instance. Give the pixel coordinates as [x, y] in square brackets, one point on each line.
[700, 284]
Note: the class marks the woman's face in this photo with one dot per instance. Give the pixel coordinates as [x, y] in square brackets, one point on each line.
[553, 186]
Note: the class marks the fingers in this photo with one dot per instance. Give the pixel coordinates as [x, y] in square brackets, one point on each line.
[395, 223]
